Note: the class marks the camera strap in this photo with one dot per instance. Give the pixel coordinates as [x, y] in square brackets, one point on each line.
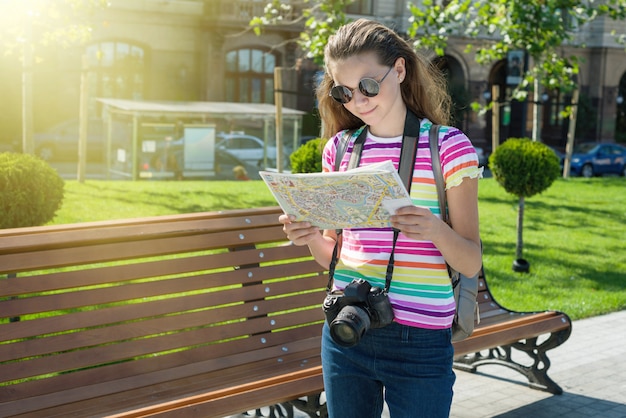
[408, 153]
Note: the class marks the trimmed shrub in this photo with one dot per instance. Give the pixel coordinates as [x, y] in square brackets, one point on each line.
[31, 191]
[308, 158]
[524, 167]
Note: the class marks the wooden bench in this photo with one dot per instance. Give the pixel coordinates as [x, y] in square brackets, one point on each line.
[195, 315]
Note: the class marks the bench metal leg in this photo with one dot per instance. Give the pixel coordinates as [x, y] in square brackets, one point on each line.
[310, 406]
[275, 411]
[537, 373]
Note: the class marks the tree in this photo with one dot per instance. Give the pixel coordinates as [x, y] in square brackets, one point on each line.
[539, 27]
[320, 18]
[524, 168]
[495, 27]
[28, 25]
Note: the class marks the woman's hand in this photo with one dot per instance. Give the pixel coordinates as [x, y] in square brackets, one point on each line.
[300, 233]
[303, 233]
[459, 243]
[418, 223]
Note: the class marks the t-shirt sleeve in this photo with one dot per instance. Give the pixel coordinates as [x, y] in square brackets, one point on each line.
[330, 152]
[458, 157]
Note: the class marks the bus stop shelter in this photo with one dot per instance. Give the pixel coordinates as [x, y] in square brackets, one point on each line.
[163, 139]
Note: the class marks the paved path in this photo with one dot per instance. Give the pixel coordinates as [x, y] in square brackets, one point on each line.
[590, 367]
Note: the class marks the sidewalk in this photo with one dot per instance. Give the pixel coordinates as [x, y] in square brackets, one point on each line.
[590, 367]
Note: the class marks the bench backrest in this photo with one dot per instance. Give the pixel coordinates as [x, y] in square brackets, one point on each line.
[143, 301]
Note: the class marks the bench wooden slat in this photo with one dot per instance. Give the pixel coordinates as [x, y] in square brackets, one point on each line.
[62, 257]
[124, 350]
[121, 331]
[266, 389]
[139, 391]
[128, 312]
[73, 235]
[253, 394]
[90, 276]
[497, 335]
[108, 295]
[205, 359]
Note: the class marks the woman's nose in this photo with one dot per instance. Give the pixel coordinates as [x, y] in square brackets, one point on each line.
[359, 97]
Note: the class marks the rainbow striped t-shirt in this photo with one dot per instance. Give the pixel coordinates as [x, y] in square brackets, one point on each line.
[420, 292]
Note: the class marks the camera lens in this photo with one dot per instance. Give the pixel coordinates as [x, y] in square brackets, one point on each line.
[349, 326]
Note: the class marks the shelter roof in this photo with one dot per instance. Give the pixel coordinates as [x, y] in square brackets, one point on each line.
[223, 109]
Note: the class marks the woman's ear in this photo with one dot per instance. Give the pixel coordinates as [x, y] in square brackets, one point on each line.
[400, 68]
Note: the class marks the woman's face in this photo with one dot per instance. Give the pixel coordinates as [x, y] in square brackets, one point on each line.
[382, 111]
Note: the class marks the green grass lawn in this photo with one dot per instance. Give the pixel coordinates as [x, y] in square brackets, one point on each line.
[573, 233]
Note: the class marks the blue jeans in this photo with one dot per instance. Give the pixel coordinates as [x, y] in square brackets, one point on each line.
[413, 365]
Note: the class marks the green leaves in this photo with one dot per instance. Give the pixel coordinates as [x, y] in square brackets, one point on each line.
[42, 23]
[524, 167]
[31, 191]
[322, 19]
[317, 31]
[495, 27]
[308, 158]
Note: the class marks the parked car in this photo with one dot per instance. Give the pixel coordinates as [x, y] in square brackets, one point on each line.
[60, 143]
[170, 158]
[593, 159]
[560, 154]
[247, 148]
[227, 166]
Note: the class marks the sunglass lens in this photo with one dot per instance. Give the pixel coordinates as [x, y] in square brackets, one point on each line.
[369, 87]
[341, 94]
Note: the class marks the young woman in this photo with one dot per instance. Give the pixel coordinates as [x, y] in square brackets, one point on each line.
[373, 77]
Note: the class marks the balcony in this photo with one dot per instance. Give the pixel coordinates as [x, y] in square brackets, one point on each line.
[241, 11]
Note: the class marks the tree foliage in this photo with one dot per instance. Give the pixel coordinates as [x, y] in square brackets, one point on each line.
[495, 27]
[524, 167]
[43, 23]
[31, 191]
[308, 158]
[321, 19]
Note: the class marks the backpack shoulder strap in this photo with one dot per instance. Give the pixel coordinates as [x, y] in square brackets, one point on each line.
[408, 153]
[433, 140]
[342, 146]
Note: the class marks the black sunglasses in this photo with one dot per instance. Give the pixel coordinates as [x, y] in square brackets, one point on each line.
[367, 86]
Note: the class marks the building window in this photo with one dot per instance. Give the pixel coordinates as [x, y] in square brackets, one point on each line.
[361, 7]
[116, 70]
[250, 76]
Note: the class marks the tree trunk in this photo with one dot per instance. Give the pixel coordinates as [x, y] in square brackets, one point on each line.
[571, 133]
[520, 228]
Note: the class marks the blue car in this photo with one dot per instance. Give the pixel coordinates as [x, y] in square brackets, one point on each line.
[593, 159]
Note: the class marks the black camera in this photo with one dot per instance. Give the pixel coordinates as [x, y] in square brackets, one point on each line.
[351, 312]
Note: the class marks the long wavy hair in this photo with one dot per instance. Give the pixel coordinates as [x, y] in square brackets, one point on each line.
[423, 89]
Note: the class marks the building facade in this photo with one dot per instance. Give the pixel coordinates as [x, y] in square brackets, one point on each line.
[204, 50]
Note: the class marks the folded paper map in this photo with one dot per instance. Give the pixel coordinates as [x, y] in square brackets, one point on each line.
[364, 197]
